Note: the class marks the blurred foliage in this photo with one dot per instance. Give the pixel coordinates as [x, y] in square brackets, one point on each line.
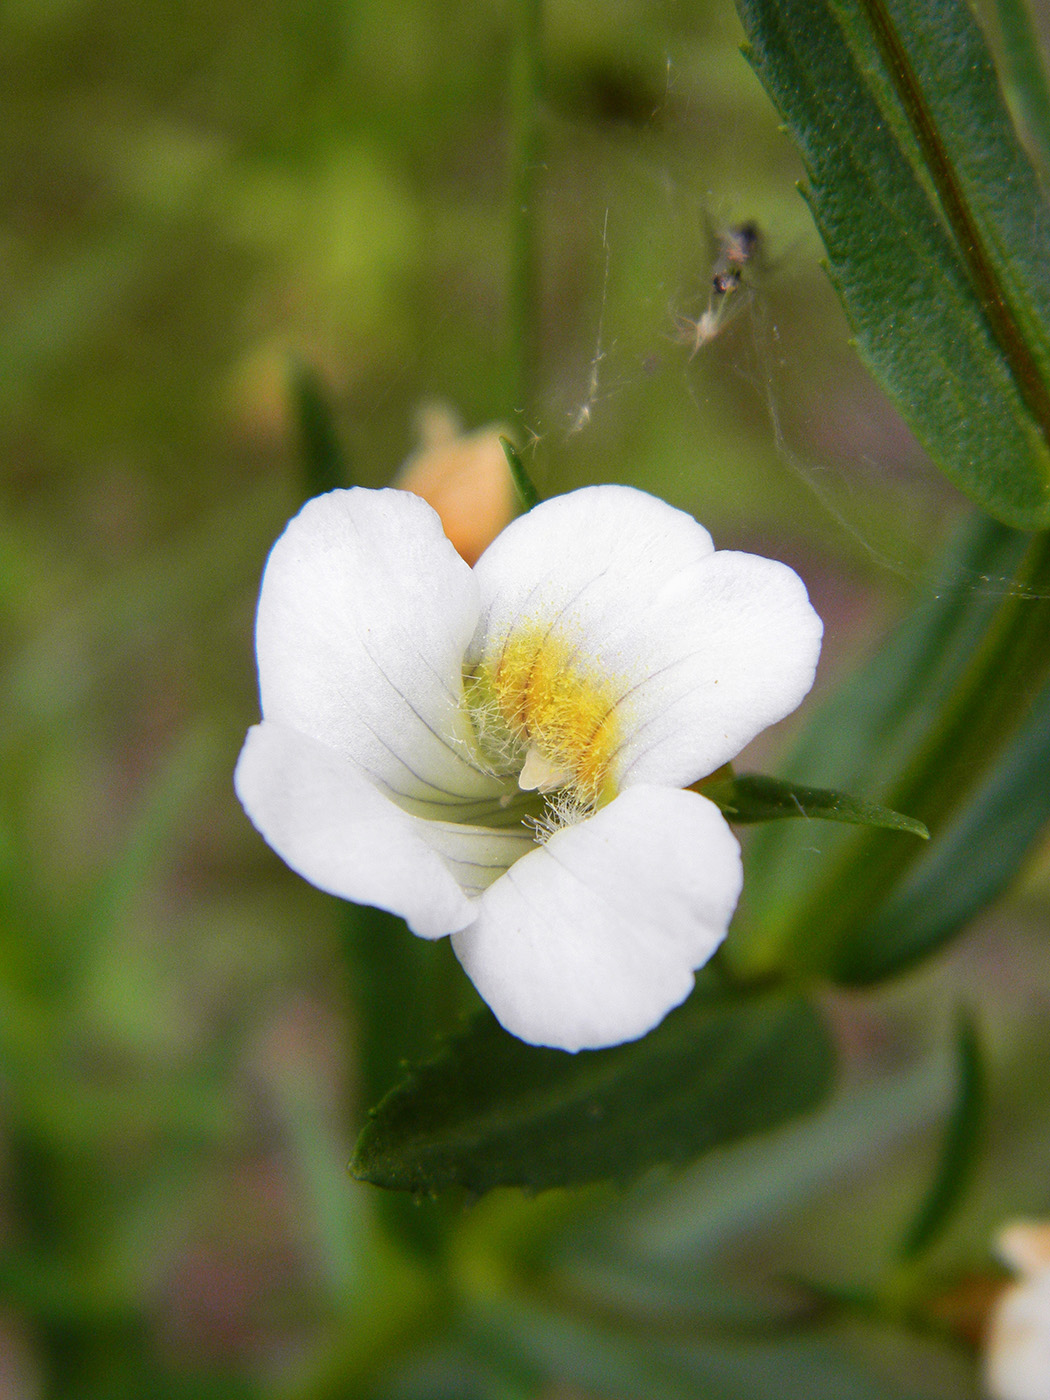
[194, 200]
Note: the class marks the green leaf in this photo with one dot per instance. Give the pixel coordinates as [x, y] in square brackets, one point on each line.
[959, 1149]
[932, 74]
[933, 223]
[869, 727]
[844, 1360]
[324, 461]
[970, 865]
[936, 717]
[492, 1111]
[1026, 78]
[753, 797]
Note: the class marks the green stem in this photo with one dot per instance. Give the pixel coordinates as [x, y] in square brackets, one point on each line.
[986, 706]
[526, 86]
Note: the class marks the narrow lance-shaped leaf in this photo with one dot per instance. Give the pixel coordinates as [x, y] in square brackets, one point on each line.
[973, 730]
[967, 868]
[492, 1111]
[870, 731]
[1025, 74]
[921, 232]
[599, 1351]
[932, 74]
[753, 797]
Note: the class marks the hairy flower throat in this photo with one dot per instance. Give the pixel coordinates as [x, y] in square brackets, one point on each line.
[557, 711]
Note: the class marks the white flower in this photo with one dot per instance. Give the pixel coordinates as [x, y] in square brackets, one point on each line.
[1017, 1365]
[500, 753]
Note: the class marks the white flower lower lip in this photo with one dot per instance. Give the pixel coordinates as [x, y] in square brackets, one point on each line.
[498, 754]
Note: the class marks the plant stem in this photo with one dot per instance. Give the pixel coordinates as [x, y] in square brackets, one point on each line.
[526, 86]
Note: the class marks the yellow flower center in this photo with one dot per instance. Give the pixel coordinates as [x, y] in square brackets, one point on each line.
[558, 710]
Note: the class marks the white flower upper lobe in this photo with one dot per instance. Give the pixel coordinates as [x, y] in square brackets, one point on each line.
[402, 694]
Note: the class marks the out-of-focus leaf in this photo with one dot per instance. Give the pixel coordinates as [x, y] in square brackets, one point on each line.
[165, 805]
[324, 461]
[841, 1361]
[919, 188]
[333, 1220]
[868, 729]
[967, 868]
[958, 1150]
[145, 602]
[939, 742]
[733, 1196]
[492, 1111]
[753, 797]
[1025, 76]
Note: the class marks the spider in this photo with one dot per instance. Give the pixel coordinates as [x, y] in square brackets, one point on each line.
[737, 247]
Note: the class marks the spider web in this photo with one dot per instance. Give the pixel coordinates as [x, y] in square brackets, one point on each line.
[760, 371]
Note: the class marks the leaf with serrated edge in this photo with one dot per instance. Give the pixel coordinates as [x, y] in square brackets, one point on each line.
[931, 336]
[933, 77]
[491, 1111]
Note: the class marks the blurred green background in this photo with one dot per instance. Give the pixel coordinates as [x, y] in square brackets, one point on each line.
[191, 196]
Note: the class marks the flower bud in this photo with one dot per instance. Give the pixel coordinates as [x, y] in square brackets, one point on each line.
[464, 477]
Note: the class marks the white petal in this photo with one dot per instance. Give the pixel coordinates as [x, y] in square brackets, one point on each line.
[476, 855]
[584, 557]
[703, 650]
[591, 939]
[737, 655]
[327, 821]
[364, 615]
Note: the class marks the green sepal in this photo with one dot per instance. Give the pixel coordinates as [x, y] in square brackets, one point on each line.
[323, 458]
[523, 483]
[491, 1111]
[754, 797]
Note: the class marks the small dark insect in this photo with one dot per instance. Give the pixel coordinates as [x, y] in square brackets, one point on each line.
[738, 246]
[726, 281]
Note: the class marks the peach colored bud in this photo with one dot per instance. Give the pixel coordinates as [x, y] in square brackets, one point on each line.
[464, 477]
